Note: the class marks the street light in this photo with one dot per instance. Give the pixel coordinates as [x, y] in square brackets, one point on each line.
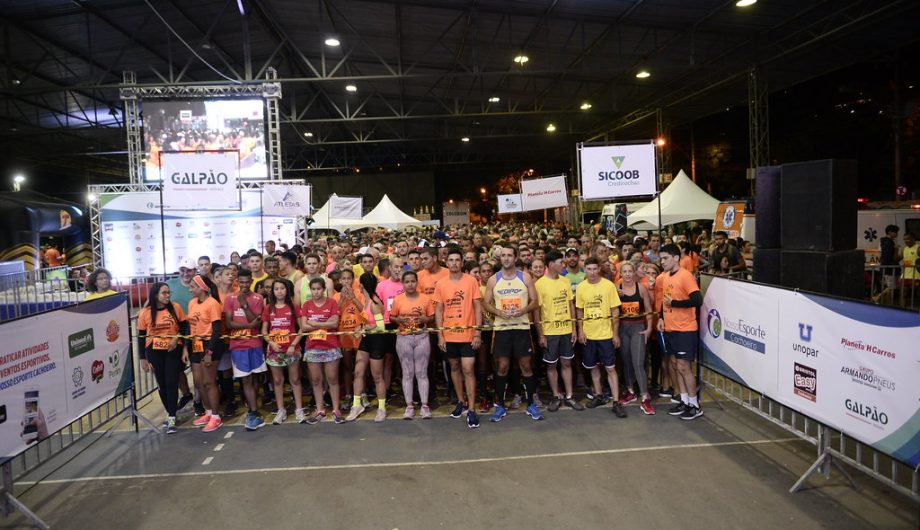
[17, 182]
[482, 191]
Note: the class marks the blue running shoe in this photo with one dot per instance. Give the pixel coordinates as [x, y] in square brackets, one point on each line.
[534, 412]
[458, 411]
[499, 413]
[472, 420]
[254, 422]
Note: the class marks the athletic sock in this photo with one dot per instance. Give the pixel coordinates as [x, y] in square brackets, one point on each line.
[356, 401]
[382, 404]
[695, 402]
[500, 382]
[684, 398]
[530, 386]
[208, 412]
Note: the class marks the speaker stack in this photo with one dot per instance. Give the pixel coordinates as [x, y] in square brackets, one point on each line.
[816, 227]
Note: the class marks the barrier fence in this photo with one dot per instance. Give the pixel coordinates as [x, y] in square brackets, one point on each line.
[813, 380]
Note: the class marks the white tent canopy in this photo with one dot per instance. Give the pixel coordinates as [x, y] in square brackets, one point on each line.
[322, 221]
[387, 215]
[681, 201]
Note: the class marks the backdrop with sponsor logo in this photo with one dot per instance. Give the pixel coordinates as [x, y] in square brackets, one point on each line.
[851, 365]
[135, 241]
[612, 171]
[456, 213]
[540, 194]
[509, 203]
[57, 366]
[285, 200]
[194, 181]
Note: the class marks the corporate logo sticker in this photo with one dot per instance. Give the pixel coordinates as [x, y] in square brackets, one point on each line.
[805, 382]
[80, 342]
[714, 323]
[97, 370]
[618, 160]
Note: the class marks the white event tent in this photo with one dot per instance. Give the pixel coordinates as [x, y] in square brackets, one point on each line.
[387, 215]
[681, 201]
[322, 221]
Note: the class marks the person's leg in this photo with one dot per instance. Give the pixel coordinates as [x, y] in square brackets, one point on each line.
[361, 361]
[421, 355]
[567, 376]
[406, 352]
[613, 380]
[456, 376]
[482, 366]
[686, 377]
[331, 370]
[348, 369]
[655, 364]
[210, 394]
[552, 376]
[296, 388]
[226, 385]
[316, 382]
[377, 368]
[625, 356]
[637, 348]
[157, 359]
[596, 381]
[468, 366]
[502, 366]
[388, 360]
[249, 392]
[530, 380]
[173, 362]
[278, 381]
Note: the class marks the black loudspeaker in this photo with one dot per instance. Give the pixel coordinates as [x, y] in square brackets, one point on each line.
[766, 207]
[837, 273]
[818, 205]
[767, 265]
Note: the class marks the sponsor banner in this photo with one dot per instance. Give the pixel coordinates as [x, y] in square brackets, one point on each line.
[510, 203]
[285, 201]
[539, 194]
[611, 171]
[456, 214]
[134, 239]
[345, 207]
[57, 366]
[200, 181]
[850, 365]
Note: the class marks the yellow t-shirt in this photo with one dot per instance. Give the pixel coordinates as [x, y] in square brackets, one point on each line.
[910, 262]
[359, 270]
[554, 296]
[93, 296]
[255, 281]
[511, 294]
[597, 299]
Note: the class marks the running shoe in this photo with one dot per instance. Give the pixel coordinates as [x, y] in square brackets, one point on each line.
[472, 420]
[301, 415]
[426, 412]
[171, 426]
[666, 392]
[677, 410]
[199, 409]
[317, 417]
[597, 401]
[346, 403]
[499, 413]
[254, 421]
[628, 397]
[619, 410]
[364, 402]
[165, 423]
[213, 425]
[515, 402]
[484, 405]
[608, 396]
[554, 404]
[183, 401]
[534, 412]
[676, 399]
[337, 417]
[201, 421]
[691, 413]
[536, 400]
[410, 413]
[646, 407]
[280, 416]
[381, 416]
[355, 412]
[573, 404]
[230, 410]
[459, 410]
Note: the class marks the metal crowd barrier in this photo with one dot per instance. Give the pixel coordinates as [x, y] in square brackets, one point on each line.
[885, 287]
[34, 291]
[891, 472]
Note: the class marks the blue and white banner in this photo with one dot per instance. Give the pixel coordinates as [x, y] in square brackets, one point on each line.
[195, 181]
[285, 200]
[851, 365]
[57, 366]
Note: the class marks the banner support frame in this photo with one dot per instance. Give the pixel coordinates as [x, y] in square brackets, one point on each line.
[11, 503]
[823, 463]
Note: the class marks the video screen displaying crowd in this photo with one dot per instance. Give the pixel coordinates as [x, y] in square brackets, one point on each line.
[486, 319]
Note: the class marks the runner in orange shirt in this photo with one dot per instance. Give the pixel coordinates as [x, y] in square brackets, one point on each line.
[205, 315]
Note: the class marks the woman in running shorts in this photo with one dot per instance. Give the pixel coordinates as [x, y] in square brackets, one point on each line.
[319, 316]
[205, 316]
[282, 353]
[158, 323]
[351, 317]
[373, 348]
[635, 328]
[413, 311]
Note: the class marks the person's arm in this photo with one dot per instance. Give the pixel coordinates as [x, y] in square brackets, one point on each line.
[297, 287]
[573, 313]
[695, 300]
[330, 323]
[215, 336]
[532, 297]
[439, 323]
[580, 325]
[488, 303]
[477, 333]
[740, 264]
[615, 325]
[649, 310]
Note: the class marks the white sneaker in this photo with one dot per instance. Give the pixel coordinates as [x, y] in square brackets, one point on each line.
[381, 416]
[410, 413]
[280, 416]
[516, 402]
[355, 412]
[301, 415]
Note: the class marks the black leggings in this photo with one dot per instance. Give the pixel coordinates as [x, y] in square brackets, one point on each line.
[166, 369]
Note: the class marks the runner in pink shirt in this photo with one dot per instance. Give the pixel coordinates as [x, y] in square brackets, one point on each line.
[387, 291]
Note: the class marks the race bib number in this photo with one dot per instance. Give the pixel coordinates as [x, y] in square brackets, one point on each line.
[280, 338]
[239, 334]
[197, 346]
[511, 304]
[630, 309]
[160, 343]
[318, 335]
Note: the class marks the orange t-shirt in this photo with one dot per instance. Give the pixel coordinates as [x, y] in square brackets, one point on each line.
[678, 286]
[427, 281]
[350, 315]
[686, 263]
[165, 325]
[404, 307]
[456, 299]
[200, 317]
